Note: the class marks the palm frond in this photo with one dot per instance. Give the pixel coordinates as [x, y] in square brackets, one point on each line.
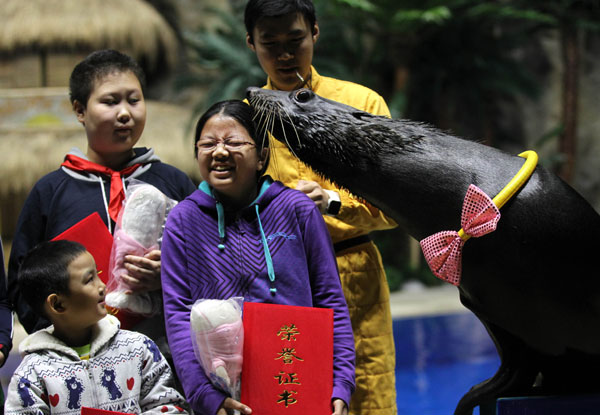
[220, 61]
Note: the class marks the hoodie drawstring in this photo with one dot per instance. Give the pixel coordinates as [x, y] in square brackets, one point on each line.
[221, 220]
[204, 186]
[268, 258]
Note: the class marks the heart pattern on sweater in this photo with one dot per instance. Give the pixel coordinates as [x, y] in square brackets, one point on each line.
[54, 399]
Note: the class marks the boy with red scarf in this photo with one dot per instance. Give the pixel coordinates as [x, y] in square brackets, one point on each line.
[106, 92]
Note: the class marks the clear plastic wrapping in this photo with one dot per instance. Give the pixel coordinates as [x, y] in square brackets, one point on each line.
[218, 337]
[138, 231]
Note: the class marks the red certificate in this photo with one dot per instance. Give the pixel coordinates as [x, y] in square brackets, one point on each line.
[94, 411]
[92, 233]
[288, 359]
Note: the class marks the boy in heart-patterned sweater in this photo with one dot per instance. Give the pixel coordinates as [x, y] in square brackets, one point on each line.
[84, 359]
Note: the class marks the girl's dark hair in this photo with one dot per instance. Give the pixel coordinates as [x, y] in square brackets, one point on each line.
[257, 9]
[44, 271]
[97, 65]
[242, 113]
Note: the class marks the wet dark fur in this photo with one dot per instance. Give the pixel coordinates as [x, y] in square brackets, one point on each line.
[534, 282]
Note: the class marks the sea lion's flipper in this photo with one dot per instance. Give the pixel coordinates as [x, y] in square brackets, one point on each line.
[516, 375]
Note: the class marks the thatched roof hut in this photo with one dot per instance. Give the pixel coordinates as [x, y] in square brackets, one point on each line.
[47, 27]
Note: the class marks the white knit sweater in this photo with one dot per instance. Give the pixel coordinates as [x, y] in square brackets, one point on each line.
[126, 372]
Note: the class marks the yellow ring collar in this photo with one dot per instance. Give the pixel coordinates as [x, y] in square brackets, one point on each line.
[531, 159]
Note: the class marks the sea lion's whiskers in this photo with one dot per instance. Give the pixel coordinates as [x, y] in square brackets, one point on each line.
[265, 130]
[260, 114]
[257, 109]
[269, 123]
[287, 115]
[263, 119]
[280, 116]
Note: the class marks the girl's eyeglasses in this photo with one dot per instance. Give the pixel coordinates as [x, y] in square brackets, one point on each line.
[232, 145]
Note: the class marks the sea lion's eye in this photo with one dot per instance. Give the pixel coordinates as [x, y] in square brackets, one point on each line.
[303, 95]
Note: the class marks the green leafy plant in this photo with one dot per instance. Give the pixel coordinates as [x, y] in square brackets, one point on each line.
[220, 62]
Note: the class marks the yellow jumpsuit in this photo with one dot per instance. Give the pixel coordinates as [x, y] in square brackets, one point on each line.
[361, 270]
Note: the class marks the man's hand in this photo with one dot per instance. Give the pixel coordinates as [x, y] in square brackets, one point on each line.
[339, 407]
[230, 404]
[143, 273]
[315, 192]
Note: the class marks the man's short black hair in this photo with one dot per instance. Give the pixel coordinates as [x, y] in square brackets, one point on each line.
[44, 271]
[257, 9]
[97, 65]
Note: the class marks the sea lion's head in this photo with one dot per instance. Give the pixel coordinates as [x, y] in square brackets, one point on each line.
[322, 132]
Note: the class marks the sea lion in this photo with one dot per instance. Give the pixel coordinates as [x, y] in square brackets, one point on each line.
[533, 282]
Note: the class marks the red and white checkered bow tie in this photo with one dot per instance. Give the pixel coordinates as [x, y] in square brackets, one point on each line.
[443, 250]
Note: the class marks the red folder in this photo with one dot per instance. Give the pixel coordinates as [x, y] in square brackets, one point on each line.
[288, 359]
[93, 411]
[92, 233]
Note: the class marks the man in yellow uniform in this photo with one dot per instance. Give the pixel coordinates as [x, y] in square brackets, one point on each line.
[282, 33]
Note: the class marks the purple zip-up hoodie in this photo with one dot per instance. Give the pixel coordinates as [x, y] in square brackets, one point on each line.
[204, 259]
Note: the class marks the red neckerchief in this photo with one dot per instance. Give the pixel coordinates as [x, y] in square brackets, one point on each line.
[117, 194]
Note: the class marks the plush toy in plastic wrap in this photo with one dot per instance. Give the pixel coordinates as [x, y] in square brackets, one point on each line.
[138, 231]
[218, 337]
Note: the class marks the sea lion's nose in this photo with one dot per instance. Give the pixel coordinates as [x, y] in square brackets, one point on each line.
[250, 91]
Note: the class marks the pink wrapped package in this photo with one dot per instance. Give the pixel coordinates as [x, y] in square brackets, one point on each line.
[218, 337]
[138, 231]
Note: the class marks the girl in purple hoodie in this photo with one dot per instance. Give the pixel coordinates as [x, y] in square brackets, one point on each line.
[242, 234]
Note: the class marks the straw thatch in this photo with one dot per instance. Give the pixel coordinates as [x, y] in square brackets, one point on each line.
[133, 26]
